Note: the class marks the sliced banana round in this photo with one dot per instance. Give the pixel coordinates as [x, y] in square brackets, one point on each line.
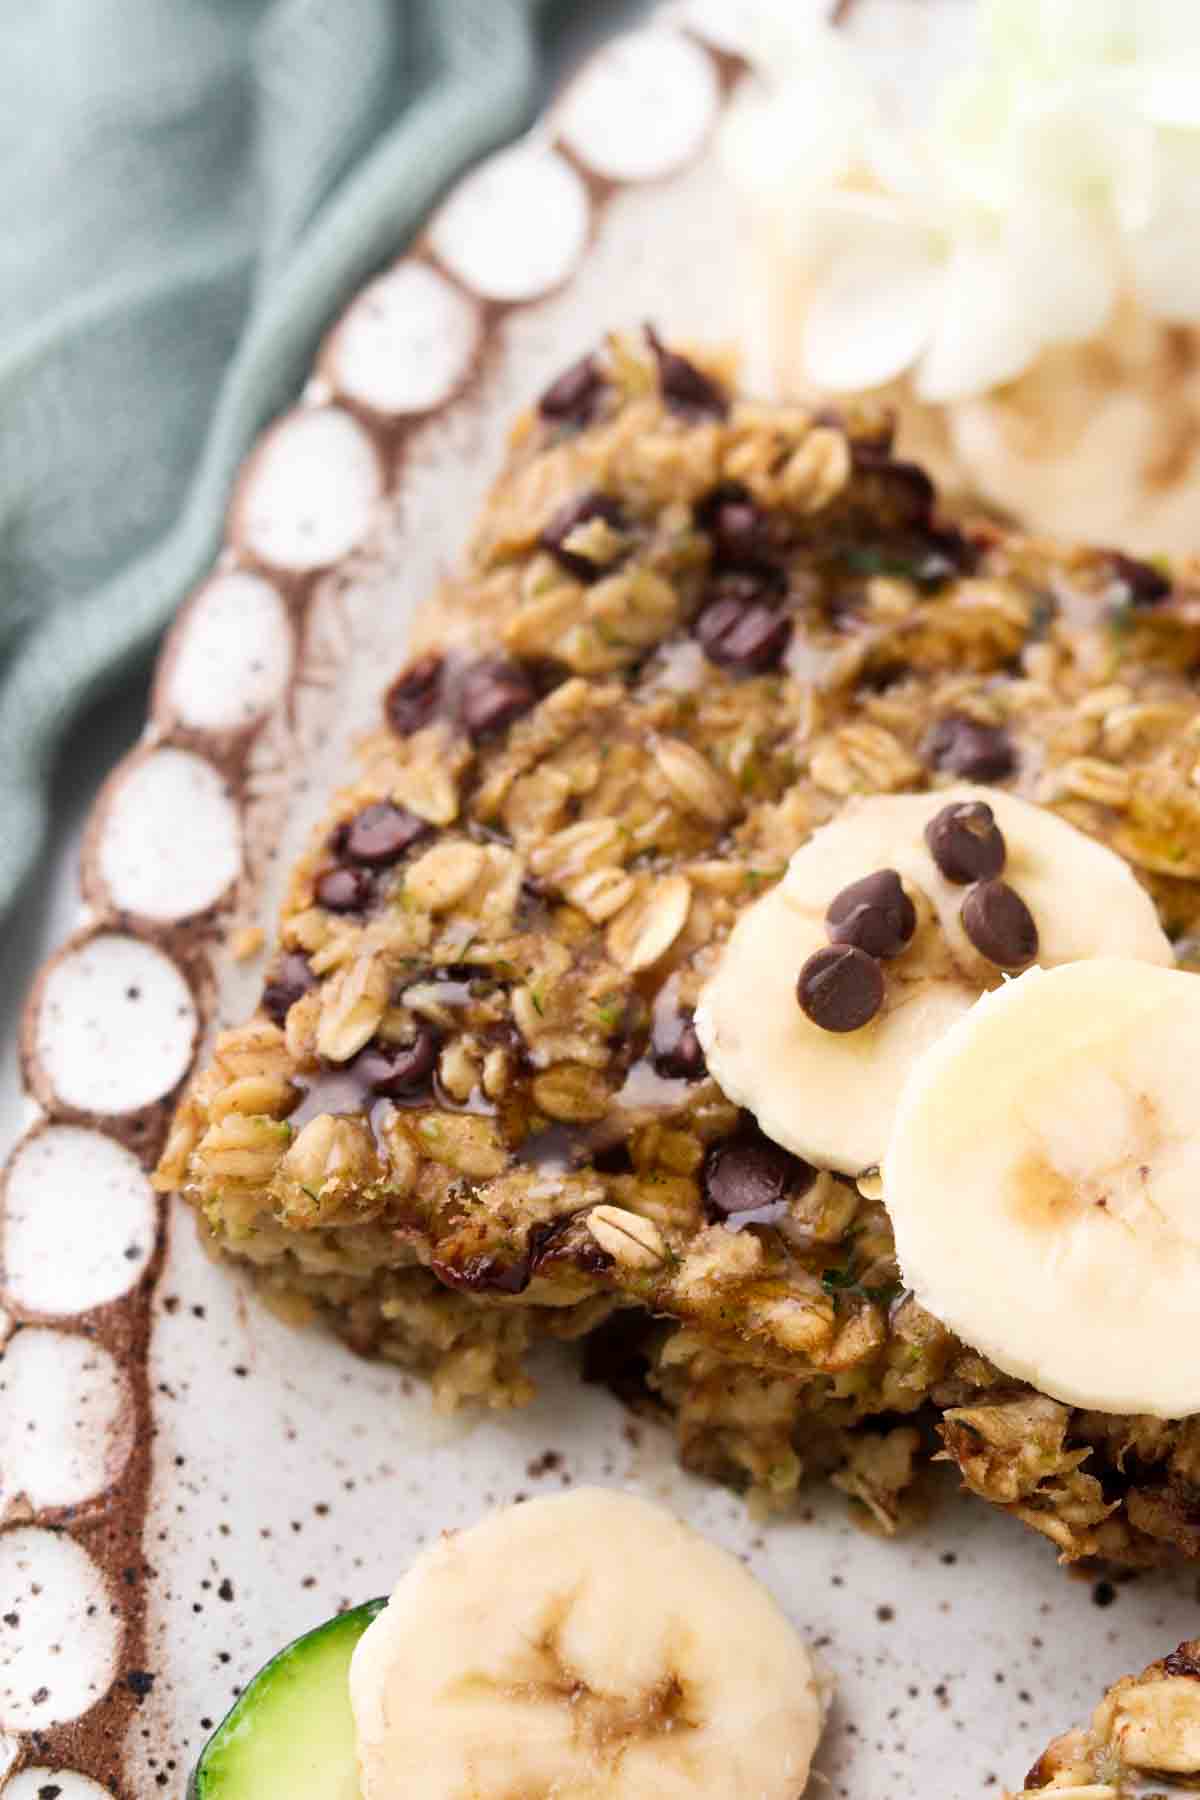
[830, 1097]
[1043, 1181]
[585, 1645]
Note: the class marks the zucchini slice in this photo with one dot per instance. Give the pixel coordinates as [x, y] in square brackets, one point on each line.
[290, 1735]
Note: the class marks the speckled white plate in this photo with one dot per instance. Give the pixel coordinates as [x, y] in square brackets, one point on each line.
[185, 1483]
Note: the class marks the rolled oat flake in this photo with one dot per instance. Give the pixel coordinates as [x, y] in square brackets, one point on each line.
[840, 988]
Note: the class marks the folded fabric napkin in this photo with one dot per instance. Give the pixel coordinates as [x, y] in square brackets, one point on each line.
[192, 187]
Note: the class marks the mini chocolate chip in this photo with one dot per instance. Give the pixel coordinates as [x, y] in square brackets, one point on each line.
[568, 518]
[493, 693]
[412, 699]
[736, 525]
[572, 398]
[392, 1070]
[676, 1050]
[939, 555]
[545, 1242]
[1000, 925]
[962, 746]
[1181, 1661]
[685, 388]
[965, 842]
[1143, 584]
[343, 890]
[875, 914]
[288, 981]
[380, 834]
[613, 1159]
[764, 582]
[485, 1274]
[840, 988]
[748, 637]
[901, 491]
[616, 1355]
[748, 1180]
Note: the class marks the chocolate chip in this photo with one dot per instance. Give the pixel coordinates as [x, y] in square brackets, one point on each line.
[288, 981]
[485, 1274]
[1142, 582]
[393, 1070]
[736, 525]
[840, 988]
[685, 388]
[613, 1159]
[938, 556]
[1183, 1661]
[1000, 925]
[573, 398]
[962, 746]
[380, 834]
[675, 1049]
[965, 842]
[617, 1355]
[901, 491]
[343, 890]
[569, 517]
[748, 1180]
[875, 914]
[493, 693]
[739, 627]
[412, 699]
[546, 1243]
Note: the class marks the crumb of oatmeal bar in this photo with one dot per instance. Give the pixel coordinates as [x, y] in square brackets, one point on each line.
[472, 1111]
[1146, 1728]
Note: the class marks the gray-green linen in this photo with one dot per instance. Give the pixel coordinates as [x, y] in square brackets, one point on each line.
[189, 188]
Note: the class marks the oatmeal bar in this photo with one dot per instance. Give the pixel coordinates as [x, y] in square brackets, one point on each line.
[1147, 1727]
[472, 1110]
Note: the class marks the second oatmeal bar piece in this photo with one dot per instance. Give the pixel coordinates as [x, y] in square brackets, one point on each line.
[1146, 1728]
[472, 1110]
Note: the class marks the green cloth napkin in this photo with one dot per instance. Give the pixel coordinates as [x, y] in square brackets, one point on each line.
[191, 188]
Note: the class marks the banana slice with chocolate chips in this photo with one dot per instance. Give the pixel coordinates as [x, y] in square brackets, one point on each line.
[887, 926]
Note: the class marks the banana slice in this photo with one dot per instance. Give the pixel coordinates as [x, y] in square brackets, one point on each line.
[583, 1646]
[830, 1096]
[1043, 1180]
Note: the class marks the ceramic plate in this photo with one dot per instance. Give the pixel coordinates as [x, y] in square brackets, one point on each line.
[187, 1483]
